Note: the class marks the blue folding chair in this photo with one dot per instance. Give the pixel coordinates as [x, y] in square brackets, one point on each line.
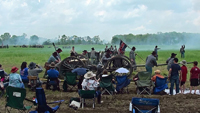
[122, 82]
[42, 106]
[160, 85]
[145, 105]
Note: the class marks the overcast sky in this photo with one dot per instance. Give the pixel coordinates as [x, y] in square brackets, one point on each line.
[50, 18]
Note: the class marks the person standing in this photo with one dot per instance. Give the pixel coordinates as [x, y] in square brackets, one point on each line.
[58, 55]
[174, 77]
[170, 61]
[93, 56]
[115, 51]
[73, 52]
[184, 75]
[106, 48]
[150, 62]
[85, 54]
[132, 55]
[156, 50]
[182, 51]
[194, 75]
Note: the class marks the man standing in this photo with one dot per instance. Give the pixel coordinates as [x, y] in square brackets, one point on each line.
[132, 57]
[156, 50]
[93, 56]
[182, 51]
[115, 50]
[58, 51]
[174, 77]
[151, 62]
[73, 52]
[106, 48]
[170, 61]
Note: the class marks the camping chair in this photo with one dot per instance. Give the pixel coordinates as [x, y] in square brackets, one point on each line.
[106, 84]
[145, 105]
[32, 82]
[69, 80]
[15, 97]
[160, 85]
[144, 83]
[42, 106]
[87, 94]
[122, 82]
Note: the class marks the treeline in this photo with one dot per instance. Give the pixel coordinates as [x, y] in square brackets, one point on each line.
[169, 38]
[65, 40]
[9, 39]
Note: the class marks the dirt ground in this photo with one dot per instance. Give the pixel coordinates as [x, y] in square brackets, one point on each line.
[119, 103]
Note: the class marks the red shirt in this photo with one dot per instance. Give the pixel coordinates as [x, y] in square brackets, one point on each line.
[184, 73]
[195, 71]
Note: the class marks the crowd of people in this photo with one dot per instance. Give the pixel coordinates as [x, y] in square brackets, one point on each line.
[176, 74]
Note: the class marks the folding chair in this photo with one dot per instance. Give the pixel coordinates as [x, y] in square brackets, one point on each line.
[145, 105]
[42, 106]
[15, 97]
[122, 82]
[87, 94]
[160, 85]
[144, 83]
[106, 84]
[69, 80]
[32, 82]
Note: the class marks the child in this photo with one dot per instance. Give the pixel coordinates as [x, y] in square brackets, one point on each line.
[184, 75]
[194, 75]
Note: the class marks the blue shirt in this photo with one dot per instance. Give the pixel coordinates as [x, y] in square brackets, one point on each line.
[175, 69]
[15, 80]
[52, 73]
[24, 73]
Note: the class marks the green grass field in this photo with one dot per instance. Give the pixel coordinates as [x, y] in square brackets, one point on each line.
[117, 103]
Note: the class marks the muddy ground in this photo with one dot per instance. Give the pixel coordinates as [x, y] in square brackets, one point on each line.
[119, 103]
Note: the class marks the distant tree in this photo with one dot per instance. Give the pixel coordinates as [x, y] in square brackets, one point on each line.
[34, 39]
[5, 36]
[115, 40]
[47, 42]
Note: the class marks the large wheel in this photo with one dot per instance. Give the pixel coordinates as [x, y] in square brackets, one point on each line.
[117, 62]
[70, 63]
[84, 59]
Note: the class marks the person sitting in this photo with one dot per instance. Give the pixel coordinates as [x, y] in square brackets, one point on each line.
[53, 74]
[2, 76]
[34, 70]
[91, 83]
[85, 54]
[157, 74]
[24, 72]
[15, 79]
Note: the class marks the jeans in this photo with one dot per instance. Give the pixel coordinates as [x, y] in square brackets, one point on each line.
[182, 54]
[149, 69]
[176, 81]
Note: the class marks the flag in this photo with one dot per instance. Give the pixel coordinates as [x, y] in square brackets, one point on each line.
[122, 47]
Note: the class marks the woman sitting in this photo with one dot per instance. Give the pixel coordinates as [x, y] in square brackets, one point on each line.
[15, 79]
[91, 83]
[24, 72]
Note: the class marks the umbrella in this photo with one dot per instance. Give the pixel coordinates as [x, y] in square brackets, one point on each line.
[122, 70]
[80, 71]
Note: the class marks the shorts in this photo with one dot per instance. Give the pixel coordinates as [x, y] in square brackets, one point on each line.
[194, 82]
[182, 83]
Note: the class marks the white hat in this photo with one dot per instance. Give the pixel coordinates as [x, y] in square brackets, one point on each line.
[183, 62]
[89, 74]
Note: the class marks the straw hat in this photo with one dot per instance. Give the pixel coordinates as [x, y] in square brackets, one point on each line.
[89, 74]
[157, 71]
[183, 62]
[14, 69]
[52, 64]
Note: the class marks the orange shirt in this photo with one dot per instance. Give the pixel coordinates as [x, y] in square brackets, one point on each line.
[157, 75]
